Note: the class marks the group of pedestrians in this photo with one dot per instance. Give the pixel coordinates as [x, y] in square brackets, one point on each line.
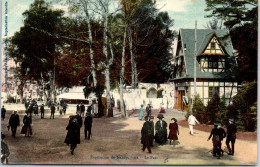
[160, 135]
[81, 109]
[73, 128]
[218, 134]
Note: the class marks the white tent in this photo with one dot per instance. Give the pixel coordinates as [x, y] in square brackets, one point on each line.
[75, 96]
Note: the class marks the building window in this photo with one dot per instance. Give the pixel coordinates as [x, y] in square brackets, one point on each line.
[212, 64]
[213, 45]
[213, 91]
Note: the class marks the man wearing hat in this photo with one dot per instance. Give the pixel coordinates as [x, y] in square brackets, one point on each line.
[3, 111]
[146, 132]
[52, 111]
[149, 110]
[215, 140]
[161, 130]
[231, 136]
[88, 125]
[151, 135]
[14, 121]
[42, 111]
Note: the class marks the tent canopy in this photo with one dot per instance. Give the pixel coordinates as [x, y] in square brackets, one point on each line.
[75, 96]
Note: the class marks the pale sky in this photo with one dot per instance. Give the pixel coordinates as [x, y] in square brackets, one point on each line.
[183, 12]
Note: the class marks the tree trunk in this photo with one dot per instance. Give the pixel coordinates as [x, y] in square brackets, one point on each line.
[133, 63]
[122, 72]
[21, 92]
[107, 83]
[91, 52]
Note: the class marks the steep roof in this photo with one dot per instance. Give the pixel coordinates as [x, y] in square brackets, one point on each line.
[203, 37]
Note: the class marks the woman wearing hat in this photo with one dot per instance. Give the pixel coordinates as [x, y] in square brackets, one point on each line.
[141, 113]
[215, 132]
[161, 130]
[73, 135]
[174, 130]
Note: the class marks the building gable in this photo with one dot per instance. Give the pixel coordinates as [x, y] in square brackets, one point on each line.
[213, 47]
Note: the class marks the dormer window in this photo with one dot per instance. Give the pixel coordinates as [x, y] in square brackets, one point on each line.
[213, 45]
[212, 64]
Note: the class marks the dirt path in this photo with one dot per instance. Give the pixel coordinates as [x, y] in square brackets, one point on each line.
[116, 141]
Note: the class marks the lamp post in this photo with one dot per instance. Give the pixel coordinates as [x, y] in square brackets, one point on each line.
[194, 64]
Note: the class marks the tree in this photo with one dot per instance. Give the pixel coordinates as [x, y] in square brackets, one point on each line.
[212, 109]
[243, 106]
[241, 17]
[198, 110]
[33, 46]
[222, 112]
[215, 24]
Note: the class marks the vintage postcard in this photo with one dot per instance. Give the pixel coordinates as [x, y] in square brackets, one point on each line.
[129, 82]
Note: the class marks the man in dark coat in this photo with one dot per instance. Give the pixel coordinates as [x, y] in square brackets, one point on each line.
[42, 111]
[151, 136]
[231, 136]
[161, 130]
[82, 109]
[215, 132]
[88, 125]
[79, 119]
[78, 108]
[3, 111]
[149, 110]
[14, 121]
[146, 132]
[89, 109]
[64, 105]
[73, 135]
[52, 111]
[30, 109]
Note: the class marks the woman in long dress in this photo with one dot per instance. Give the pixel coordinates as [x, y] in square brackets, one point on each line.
[161, 130]
[141, 113]
[27, 129]
[174, 131]
[73, 135]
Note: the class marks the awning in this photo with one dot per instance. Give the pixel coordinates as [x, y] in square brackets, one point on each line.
[75, 96]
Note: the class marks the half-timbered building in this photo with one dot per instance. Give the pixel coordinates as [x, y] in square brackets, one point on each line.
[214, 61]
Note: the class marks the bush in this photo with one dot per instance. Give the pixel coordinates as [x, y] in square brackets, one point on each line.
[212, 109]
[198, 109]
[244, 107]
[222, 112]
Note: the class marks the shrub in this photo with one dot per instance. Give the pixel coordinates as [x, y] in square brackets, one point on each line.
[212, 109]
[222, 112]
[198, 109]
[244, 107]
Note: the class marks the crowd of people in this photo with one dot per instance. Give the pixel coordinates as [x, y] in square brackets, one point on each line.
[150, 132]
[160, 135]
